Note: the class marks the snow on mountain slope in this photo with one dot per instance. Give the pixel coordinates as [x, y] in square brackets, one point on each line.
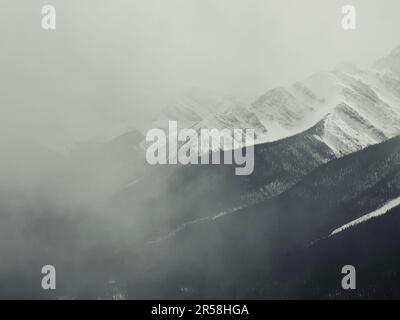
[369, 116]
[195, 109]
[376, 213]
[336, 113]
[362, 96]
[359, 108]
[325, 117]
[190, 108]
[345, 131]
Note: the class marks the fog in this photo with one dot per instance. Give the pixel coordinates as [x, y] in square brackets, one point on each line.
[67, 187]
[109, 66]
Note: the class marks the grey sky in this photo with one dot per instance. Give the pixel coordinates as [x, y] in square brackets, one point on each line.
[112, 63]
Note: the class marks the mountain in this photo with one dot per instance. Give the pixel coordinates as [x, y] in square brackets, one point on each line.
[190, 108]
[215, 190]
[359, 107]
[371, 248]
[268, 249]
[326, 161]
[325, 117]
[195, 192]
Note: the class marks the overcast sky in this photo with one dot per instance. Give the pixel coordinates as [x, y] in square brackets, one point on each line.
[112, 63]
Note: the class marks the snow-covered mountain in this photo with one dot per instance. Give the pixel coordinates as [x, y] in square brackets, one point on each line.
[358, 108]
[298, 129]
[190, 108]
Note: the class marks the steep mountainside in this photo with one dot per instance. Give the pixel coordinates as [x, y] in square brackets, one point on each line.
[202, 191]
[257, 244]
[327, 116]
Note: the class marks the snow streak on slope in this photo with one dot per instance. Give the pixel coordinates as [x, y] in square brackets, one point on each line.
[378, 212]
[187, 224]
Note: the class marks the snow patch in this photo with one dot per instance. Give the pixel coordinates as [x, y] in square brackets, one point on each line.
[378, 212]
